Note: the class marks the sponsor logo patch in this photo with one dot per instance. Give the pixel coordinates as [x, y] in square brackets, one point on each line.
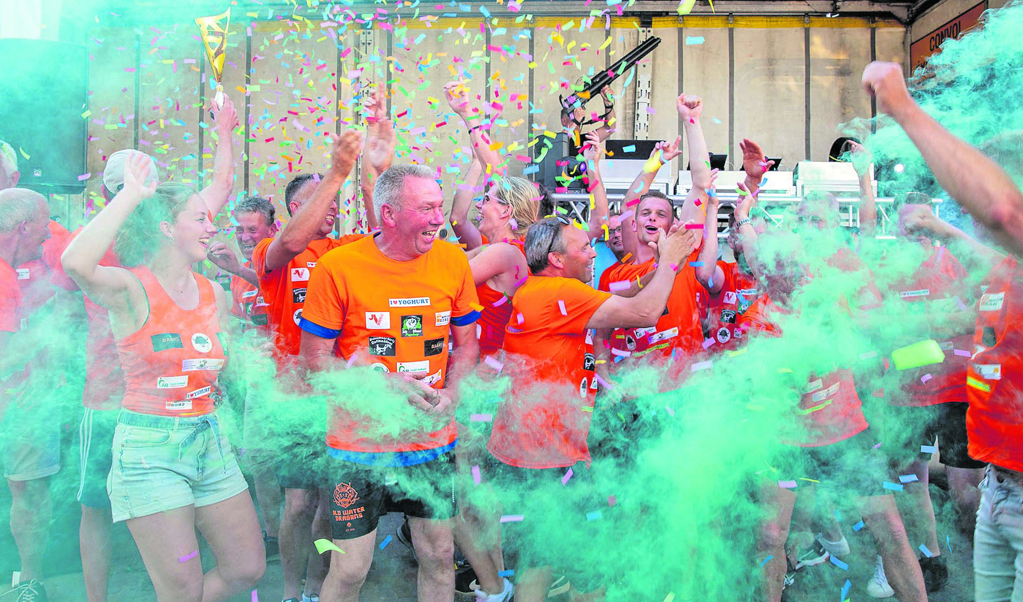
[297, 316]
[442, 318]
[381, 346]
[663, 335]
[165, 341]
[991, 302]
[298, 295]
[199, 393]
[433, 347]
[172, 382]
[412, 326]
[201, 364]
[202, 343]
[728, 316]
[989, 371]
[248, 294]
[378, 320]
[589, 362]
[433, 378]
[409, 302]
[344, 495]
[724, 334]
[379, 367]
[178, 405]
[420, 367]
[300, 274]
[730, 298]
[924, 292]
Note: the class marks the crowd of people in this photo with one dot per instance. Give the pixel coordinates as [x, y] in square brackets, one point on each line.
[490, 388]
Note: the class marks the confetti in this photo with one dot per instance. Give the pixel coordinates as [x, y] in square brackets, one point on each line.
[908, 478]
[595, 515]
[694, 40]
[476, 474]
[512, 518]
[766, 560]
[858, 526]
[188, 557]
[925, 551]
[322, 545]
[386, 541]
[925, 378]
[255, 596]
[561, 306]
[918, 354]
[839, 563]
[845, 590]
[568, 475]
[621, 285]
[928, 449]
[892, 486]
[493, 363]
[787, 484]
[702, 366]
[481, 418]
[506, 573]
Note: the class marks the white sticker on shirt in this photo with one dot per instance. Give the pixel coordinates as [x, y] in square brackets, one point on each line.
[814, 385]
[663, 335]
[297, 316]
[826, 393]
[23, 274]
[310, 264]
[198, 393]
[201, 364]
[989, 371]
[202, 343]
[248, 294]
[378, 320]
[582, 387]
[421, 367]
[409, 302]
[991, 302]
[433, 378]
[730, 298]
[172, 382]
[589, 337]
[946, 345]
[178, 405]
[442, 318]
[299, 274]
[924, 292]
[642, 332]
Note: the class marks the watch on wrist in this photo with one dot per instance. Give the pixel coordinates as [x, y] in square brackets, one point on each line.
[743, 222]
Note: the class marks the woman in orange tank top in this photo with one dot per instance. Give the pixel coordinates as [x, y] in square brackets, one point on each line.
[173, 470]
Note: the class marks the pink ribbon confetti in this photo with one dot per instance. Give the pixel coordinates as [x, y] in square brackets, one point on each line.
[561, 306]
[787, 484]
[188, 557]
[621, 285]
[962, 353]
[707, 343]
[568, 475]
[925, 378]
[481, 418]
[476, 474]
[512, 518]
[255, 596]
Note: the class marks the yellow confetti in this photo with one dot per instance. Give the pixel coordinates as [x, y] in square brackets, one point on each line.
[322, 545]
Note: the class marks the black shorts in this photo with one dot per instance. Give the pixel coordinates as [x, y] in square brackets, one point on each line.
[361, 494]
[853, 466]
[301, 465]
[911, 428]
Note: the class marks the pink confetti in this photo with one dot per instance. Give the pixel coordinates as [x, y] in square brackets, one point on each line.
[476, 474]
[496, 365]
[925, 378]
[84, 176]
[481, 418]
[561, 306]
[621, 285]
[787, 484]
[611, 500]
[708, 342]
[255, 596]
[512, 518]
[568, 475]
[620, 352]
[694, 226]
[962, 353]
[188, 557]
[500, 302]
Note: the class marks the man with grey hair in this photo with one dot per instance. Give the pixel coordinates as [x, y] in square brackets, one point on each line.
[9, 173]
[550, 358]
[397, 322]
[29, 457]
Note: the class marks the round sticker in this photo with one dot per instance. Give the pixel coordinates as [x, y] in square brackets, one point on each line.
[630, 342]
[379, 367]
[297, 316]
[724, 334]
[582, 388]
[202, 343]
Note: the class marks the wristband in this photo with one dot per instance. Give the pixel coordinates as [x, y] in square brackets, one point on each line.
[476, 127]
[744, 221]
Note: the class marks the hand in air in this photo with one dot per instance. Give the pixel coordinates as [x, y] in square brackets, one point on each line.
[136, 171]
[345, 151]
[457, 94]
[753, 161]
[689, 107]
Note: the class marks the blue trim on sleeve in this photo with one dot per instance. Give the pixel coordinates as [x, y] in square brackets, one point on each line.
[467, 319]
[320, 331]
[391, 459]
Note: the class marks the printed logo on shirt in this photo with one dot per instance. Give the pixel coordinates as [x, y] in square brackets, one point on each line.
[747, 292]
[991, 302]
[260, 320]
[924, 292]
[178, 405]
[728, 316]
[630, 342]
[345, 495]
[730, 298]
[299, 274]
[644, 332]
[165, 341]
[382, 346]
[172, 382]
[378, 320]
[310, 264]
[589, 362]
[248, 294]
[442, 318]
[198, 393]
[201, 343]
[989, 371]
[298, 295]
[420, 367]
[814, 385]
[201, 364]
[23, 274]
[582, 387]
[409, 302]
[724, 334]
[826, 393]
[433, 378]
[412, 326]
[433, 347]
[379, 367]
[663, 335]
[297, 316]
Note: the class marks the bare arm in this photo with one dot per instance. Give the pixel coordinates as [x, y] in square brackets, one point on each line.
[457, 94]
[862, 162]
[464, 229]
[972, 179]
[747, 233]
[977, 258]
[593, 153]
[381, 140]
[305, 224]
[216, 194]
[710, 275]
[495, 260]
[662, 154]
[689, 109]
[224, 258]
[315, 352]
[607, 127]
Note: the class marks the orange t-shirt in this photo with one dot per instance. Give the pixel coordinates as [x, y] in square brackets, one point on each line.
[396, 316]
[247, 304]
[284, 290]
[10, 299]
[940, 276]
[829, 408]
[497, 310]
[738, 292]
[36, 278]
[549, 356]
[171, 364]
[994, 381]
[679, 326]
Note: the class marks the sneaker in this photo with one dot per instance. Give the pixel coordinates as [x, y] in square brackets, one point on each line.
[837, 549]
[817, 555]
[404, 535]
[560, 587]
[878, 586]
[292, 600]
[271, 545]
[313, 598]
[935, 572]
[465, 582]
[504, 596]
[32, 591]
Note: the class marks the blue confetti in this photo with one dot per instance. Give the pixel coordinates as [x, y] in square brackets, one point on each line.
[508, 573]
[696, 264]
[892, 486]
[386, 541]
[908, 478]
[925, 551]
[486, 13]
[530, 169]
[766, 560]
[629, 149]
[845, 589]
[595, 515]
[694, 40]
[858, 526]
[928, 449]
[948, 542]
[839, 564]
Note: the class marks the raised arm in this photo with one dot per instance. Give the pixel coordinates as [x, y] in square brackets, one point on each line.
[457, 94]
[977, 258]
[381, 140]
[972, 179]
[216, 194]
[496, 259]
[689, 109]
[747, 233]
[304, 225]
[224, 258]
[593, 152]
[710, 275]
[106, 285]
[464, 229]
[863, 163]
[662, 154]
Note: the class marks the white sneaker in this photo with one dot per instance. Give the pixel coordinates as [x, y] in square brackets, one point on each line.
[878, 586]
[504, 596]
[837, 549]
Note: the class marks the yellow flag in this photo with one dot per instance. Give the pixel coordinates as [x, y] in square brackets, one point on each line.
[214, 37]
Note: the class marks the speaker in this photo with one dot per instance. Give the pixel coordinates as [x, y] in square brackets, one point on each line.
[45, 93]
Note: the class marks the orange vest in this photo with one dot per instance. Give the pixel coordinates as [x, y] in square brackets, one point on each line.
[497, 311]
[171, 363]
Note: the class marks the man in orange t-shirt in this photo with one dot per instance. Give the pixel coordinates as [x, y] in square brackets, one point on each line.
[255, 221]
[396, 322]
[283, 266]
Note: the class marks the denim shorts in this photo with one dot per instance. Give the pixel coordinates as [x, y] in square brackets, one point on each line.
[161, 463]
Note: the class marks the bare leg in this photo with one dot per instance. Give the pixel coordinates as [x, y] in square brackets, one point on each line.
[773, 534]
[269, 497]
[316, 570]
[476, 538]
[30, 519]
[917, 511]
[296, 537]
[963, 482]
[532, 584]
[348, 571]
[232, 530]
[435, 549]
[94, 545]
[900, 565]
[162, 539]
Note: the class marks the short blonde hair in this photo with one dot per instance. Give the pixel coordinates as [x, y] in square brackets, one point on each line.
[523, 197]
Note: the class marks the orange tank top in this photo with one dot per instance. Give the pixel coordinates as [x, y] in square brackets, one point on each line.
[497, 311]
[171, 363]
